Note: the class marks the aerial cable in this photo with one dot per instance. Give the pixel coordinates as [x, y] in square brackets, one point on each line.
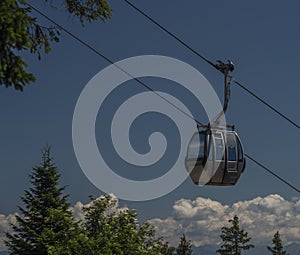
[272, 172]
[113, 63]
[170, 33]
[266, 103]
[210, 63]
[147, 86]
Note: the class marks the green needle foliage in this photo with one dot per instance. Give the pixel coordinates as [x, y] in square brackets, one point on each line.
[184, 247]
[21, 32]
[277, 248]
[46, 224]
[234, 239]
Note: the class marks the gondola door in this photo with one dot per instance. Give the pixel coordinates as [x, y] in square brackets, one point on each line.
[218, 159]
[231, 152]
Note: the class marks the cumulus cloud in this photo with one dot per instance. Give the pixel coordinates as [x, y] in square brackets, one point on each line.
[77, 211]
[201, 219]
[5, 227]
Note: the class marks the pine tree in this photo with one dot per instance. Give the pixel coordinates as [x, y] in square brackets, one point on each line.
[277, 248]
[46, 225]
[234, 239]
[184, 246]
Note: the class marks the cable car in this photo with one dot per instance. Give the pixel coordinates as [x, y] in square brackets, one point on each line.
[215, 157]
[215, 154]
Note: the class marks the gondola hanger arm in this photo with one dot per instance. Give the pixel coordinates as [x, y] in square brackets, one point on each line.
[224, 68]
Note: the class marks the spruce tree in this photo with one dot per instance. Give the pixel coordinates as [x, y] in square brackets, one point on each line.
[45, 225]
[234, 239]
[184, 246]
[277, 248]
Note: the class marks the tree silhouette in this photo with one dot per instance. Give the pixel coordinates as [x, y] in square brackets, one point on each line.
[277, 248]
[234, 239]
[184, 247]
[46, 225]
[21, 32]
[115, 231]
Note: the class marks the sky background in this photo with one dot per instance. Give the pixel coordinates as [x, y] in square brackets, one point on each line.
[262, 39]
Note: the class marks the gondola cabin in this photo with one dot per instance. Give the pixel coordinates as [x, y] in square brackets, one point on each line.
[215, 157]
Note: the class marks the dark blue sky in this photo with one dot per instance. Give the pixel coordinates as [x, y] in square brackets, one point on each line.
[263, 40]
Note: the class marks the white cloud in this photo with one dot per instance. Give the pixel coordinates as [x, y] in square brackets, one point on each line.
[202, 219]
[5, 226]
[78, 213]
[77, 210]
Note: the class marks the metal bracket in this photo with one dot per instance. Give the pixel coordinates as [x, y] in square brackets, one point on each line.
[225, 69]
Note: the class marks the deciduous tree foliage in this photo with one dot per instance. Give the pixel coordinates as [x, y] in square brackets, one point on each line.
[114, 231]
[46, 225]
[20, 32]
[277, 248]
[234, 239]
